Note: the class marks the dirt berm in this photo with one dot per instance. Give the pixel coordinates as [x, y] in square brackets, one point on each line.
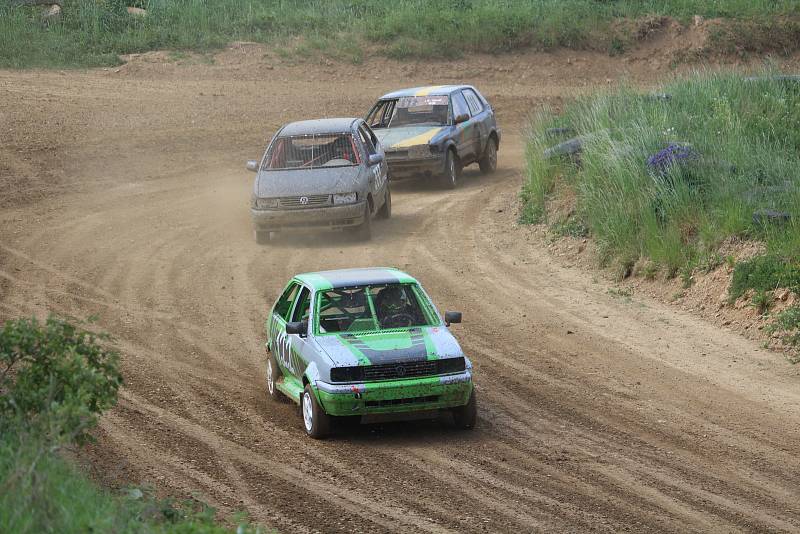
[124, 194]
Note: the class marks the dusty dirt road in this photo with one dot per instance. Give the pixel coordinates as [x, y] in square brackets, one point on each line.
[124, 195]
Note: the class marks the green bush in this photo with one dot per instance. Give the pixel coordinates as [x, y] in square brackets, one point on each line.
[57, 371]
[787, 324]
[55, 380]
[742, 153]
[764, 273]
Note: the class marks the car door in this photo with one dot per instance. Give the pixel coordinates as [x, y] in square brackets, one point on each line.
[378, 172]
[479, 119]
[296, 345]
[463, 133]
[277, 341]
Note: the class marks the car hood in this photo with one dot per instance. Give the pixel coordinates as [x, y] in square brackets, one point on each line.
[415, 344]
[319, 181]
[406, 136]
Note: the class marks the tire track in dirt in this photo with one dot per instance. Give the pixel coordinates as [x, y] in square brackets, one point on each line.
[608, 428]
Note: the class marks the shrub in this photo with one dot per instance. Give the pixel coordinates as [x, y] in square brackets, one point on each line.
[56, 371]
[764, 273]
[787, 324]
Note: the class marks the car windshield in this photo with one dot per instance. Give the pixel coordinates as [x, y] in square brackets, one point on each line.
[312, 151]
[373, 308]
[420, 111]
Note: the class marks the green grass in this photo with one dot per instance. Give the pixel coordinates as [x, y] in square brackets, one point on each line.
[95, 32]
[748, 138]
[42, 492]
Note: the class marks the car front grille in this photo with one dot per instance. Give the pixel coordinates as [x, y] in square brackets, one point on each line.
[307, 201]
[398, 371]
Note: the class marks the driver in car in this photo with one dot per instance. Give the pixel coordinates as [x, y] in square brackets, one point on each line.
[395, 309]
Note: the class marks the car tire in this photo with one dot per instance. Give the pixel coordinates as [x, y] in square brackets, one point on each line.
[273, 374]
[488, 162]
[465, 416]
[263, 237]
[386, 210]
[316, 422]
[452, 170]
[364, 230]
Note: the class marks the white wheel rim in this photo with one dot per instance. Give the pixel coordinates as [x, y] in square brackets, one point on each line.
[270, 383]
[308, 412]
[452, 170]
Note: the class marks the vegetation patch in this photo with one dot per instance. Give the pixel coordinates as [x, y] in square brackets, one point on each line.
[96, 32]
[55, 380]
[668, 176]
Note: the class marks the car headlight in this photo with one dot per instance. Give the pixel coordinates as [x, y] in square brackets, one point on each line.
[345, 198]
[265, 203]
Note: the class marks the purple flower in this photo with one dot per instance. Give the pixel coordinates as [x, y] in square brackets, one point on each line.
[673, 154]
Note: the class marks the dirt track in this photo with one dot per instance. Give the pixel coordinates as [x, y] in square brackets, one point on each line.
[124, 194]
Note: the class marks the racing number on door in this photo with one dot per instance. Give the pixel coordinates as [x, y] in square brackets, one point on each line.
[283, 350]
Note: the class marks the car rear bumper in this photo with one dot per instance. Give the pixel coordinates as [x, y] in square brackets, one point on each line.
[325, 217]
[409, 168]
[396, 396]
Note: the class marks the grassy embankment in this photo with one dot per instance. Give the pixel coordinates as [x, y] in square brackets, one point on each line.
[95, 32]
[55, 380]
[733, 171]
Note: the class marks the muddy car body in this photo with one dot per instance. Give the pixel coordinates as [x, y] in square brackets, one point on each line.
[360, 342]
[326, 173]
[436, 131]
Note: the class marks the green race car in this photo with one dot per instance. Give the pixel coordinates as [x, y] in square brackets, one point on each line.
[356, 342]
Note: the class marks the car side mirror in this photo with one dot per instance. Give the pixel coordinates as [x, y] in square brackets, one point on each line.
[297, 327]
[452, 317]
[375, 159]
[462, 118]
[252, 165]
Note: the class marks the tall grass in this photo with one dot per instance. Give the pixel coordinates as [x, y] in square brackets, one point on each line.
[94, 32]
[746, 138]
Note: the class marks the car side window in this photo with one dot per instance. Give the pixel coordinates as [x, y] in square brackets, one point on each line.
[459, 105]
[303, 306]
[372, 135]
[365, 139]
[474, 103]
[284, 303]
[379, 115]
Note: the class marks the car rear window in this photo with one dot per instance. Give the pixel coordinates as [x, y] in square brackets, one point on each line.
[312, 151]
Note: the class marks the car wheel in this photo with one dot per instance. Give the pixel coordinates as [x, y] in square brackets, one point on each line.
[464, 416]
[315, 421]
[273, 374]
[386, 210]
[452, 170]
[488, 163]
[263, 237]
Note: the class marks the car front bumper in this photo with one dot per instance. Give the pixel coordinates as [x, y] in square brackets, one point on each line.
[400, 168]
[324, 217]
[396, 396]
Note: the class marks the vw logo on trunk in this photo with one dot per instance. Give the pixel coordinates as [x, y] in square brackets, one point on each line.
[303, 200]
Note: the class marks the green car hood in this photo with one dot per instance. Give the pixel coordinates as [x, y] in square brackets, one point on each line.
[414, 344]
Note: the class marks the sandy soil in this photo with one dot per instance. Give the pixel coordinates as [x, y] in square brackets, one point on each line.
[124, 195]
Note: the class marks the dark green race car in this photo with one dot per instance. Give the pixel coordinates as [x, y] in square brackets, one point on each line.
[362, 342]
[436, 131]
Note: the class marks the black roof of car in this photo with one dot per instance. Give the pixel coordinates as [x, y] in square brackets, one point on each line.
[319, 126]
